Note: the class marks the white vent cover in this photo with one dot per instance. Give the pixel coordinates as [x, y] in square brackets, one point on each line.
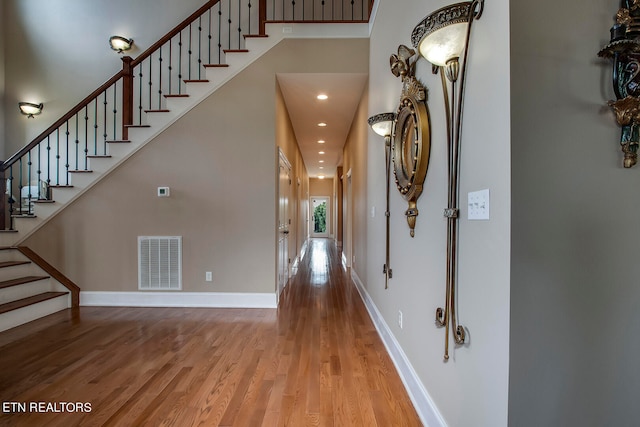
[159, 262]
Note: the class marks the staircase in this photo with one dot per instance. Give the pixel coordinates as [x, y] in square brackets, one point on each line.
[30, 288]
[71, 156]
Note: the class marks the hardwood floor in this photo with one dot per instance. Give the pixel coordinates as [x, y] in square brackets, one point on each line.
[316, 361]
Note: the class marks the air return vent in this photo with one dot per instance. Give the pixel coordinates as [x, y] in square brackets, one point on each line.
[159, 263]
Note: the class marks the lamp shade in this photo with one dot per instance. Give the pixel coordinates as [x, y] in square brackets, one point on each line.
[30, 109]
[382, 123]
[441, 36]
[120, 44]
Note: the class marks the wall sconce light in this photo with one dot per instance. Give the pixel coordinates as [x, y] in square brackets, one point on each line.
[30, 109]
[624, 50]
[120, 44]
[443, 39]
[382, 124]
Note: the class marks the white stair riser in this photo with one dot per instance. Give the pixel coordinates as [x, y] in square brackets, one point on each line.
[25, 290]
[8, 273]
[23, 315]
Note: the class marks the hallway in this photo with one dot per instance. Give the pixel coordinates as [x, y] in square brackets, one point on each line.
[317, 360]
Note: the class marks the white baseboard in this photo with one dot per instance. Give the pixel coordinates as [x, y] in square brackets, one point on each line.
[178, 299]
[424, 405]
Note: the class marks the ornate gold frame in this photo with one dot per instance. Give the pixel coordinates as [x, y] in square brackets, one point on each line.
[411, 139]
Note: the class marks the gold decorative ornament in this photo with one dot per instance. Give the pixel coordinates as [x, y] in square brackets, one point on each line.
[411, 139]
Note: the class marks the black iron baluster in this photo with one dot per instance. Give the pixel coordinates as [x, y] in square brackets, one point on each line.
[293, 10]
[20, 185]
[104, 125]
[160, 77]
[66, 163]
[115, 120]
[58, 157]
[95, 126]
[140, 84]
[249, 20]
[219, 33]
[29, 163]
[209, 37]
[170, 65]
[11, 197]
[150, 82]
[190, 52]
[200, 48]
[229, 28]
[38, 175]
[77, 142]
[46, 196]
[86, 135]
[323, 4]
[180, 64]
[239, 24]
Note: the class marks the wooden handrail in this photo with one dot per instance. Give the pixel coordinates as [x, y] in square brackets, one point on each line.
[11, 160]
[53, 272]
[184, 24]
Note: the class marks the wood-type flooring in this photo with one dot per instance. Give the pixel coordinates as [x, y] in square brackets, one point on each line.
[315, 361]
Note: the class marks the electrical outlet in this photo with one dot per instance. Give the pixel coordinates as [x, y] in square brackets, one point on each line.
[208, 276]
[400, 318]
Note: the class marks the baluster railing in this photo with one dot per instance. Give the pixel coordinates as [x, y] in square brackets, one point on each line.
[143, 84]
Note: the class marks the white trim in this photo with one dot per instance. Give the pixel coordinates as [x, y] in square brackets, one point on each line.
[177, 299]
[426, 408]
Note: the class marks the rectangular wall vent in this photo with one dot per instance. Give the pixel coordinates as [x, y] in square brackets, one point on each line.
[159, 262]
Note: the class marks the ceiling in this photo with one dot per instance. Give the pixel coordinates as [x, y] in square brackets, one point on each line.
[300, 91]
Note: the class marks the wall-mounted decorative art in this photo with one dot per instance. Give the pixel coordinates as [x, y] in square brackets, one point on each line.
[411, 139]
[624, 50]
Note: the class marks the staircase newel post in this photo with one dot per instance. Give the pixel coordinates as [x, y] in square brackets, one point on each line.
[127, 96]
[3, 198]
[262, 16]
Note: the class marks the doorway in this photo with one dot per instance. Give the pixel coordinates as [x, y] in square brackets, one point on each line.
[320, 216]
[284, 223]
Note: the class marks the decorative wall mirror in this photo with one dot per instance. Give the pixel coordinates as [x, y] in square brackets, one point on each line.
[411, 139]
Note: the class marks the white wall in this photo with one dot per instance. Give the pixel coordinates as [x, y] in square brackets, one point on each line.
[575, 290]
[471, 388]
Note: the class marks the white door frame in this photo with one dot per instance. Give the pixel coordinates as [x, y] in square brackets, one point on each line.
[327, 232]
[284, 226]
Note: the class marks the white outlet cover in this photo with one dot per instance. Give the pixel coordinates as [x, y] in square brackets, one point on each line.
[478, 204]
[164, 192]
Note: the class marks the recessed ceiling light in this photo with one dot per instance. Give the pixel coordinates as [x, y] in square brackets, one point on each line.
[322, 124]
[322, 141]
[322, 97]
[321, 167]
[320, 152]
[321, 176]
[321, 161]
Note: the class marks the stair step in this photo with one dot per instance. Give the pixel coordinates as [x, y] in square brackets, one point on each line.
[136, 126]
[177, 95]
[80, 171]
[236, 50]
[99, 156]
[23, 216]
[197, 81]
[44, 201]
[251, 36]
[21, 281]
[6, 264]
[157, 111]
[119, 141]
[8, 231]
[215, 65]
[24, 302]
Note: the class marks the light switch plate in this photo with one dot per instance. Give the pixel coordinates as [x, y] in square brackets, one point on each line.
[163, 191]
[478, 205]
